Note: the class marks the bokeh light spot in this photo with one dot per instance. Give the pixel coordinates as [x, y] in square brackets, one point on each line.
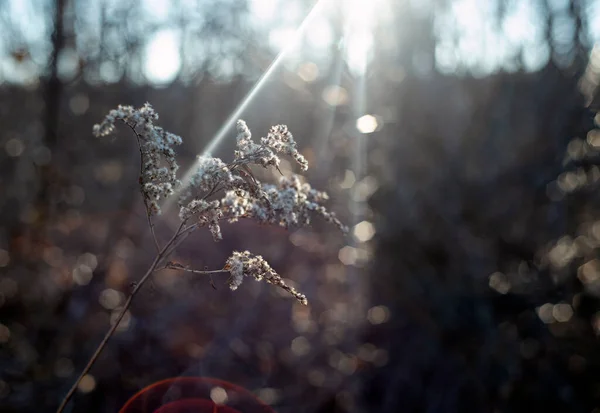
[378, 314]
[218, 395]
[87, 384]
[364, 231]
[366, 124]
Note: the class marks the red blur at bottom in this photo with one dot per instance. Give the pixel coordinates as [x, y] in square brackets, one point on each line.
[193, 395]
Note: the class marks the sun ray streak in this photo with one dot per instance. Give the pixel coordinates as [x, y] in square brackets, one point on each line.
[357, 35]
[327, 126]
[230, 122]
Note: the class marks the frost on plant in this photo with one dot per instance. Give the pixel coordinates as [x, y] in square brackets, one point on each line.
[158, 175]
[220, 191]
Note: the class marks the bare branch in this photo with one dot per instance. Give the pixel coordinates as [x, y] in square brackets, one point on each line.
[159, 257]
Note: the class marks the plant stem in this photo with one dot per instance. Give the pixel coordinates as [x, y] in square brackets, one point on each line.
[159, 257]
[208, 272]
[151, 224]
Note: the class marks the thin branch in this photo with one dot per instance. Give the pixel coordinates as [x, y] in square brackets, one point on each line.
[152, 228]
[175, 266]
[111, 331]
[182, 268]
[183, 234]
[212, 191]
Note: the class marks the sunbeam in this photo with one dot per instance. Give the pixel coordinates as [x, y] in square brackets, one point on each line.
[333, 96]
[358, 40]
[229, 123]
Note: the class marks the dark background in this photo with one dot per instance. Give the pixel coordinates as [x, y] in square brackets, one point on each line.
[478, 290]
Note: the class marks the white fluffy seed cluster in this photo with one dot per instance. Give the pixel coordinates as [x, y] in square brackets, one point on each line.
[278, 140]
[244, 264]
[156, 148]
[290, 203]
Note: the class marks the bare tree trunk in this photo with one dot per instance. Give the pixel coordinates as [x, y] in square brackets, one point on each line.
[52, 98]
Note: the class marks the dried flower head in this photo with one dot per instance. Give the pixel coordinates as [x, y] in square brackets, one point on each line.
[158, 175]
[278, 140]
[289, 203]
[244, 264]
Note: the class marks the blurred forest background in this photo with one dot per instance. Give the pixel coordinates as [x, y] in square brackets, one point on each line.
[457, 138]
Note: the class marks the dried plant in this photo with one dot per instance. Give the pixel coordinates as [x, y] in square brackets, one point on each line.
[216, 191]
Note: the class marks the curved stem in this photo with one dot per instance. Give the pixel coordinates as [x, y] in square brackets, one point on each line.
[122, 313]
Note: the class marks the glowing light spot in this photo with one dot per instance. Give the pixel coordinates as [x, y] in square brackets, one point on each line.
[218, 395]
[366, 352]
[499, 282]
[589, 272]
[268, 395]
[544, 312]
[335, 95]
[79, 104]
[349, 180]
[109, 72]
[344, 363]
[364, 189]
[14, 147]
[162, 61]
[125, 321]
[562, 312]
[316, 377]
[308, 72]
[364, 231]
[378, 314]
[576, 149]
[562, 253]
[593, 138]
[347, 255]
[87, 384]
[595, 230]
[366, 124]
[300, 346]
[82, 275]
[111, 299]
[88, 259]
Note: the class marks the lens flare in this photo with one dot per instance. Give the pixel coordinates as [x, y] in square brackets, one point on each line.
[194, 395]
